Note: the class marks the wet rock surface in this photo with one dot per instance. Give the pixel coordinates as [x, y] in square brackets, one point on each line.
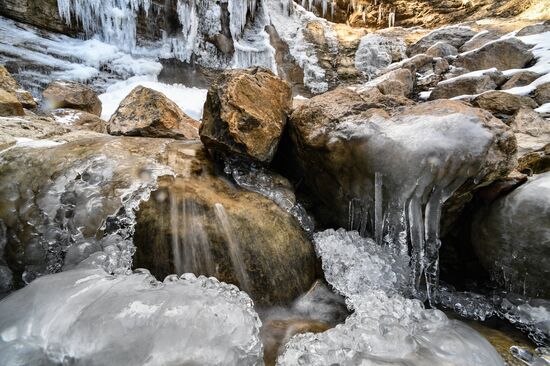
[245, 113]
[149, 113]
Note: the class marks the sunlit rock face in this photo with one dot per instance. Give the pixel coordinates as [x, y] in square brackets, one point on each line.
[87, 317]
[512, 238]
[202, 223]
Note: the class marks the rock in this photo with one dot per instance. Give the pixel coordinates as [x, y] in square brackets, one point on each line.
[149, 113]
[479, 40]
[10, 105]
[376, 52]
[535, 162]
[542, 94]
[455, 36]
[70, 94]
[339, 144]
[418, 63]
[510, 53]
[532, 131]
[534, 29]
[79, 120]
[512, 240]
[441, 49]
[399, 82]
[41, 13]
[245, 114]
[499, 102]
[200, 222]
[10, 85]
[466, 85]
[6, 141]
[521, 78]
[32, 127]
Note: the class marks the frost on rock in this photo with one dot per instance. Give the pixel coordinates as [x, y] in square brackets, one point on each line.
[385, 328]
[87, 317]
[376, 52]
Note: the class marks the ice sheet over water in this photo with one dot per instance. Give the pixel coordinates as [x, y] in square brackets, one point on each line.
[87, 317]
[386, 328]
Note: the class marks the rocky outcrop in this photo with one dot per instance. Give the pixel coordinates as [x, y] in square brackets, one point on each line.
[11, 86]
[41, 13]
[340, 144]
[542, 93]
[467, 85]
[70, 94]
[199, 222]
[245, 114]
[31, 127]
[511, 238]
[454, 36]
[502, 103]
[510, 53]
[149, 113]
[10, 105]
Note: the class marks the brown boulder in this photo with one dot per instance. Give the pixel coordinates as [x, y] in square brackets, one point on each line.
[510, 53]
[532, 131]
[441, 49]
[10, 85]
[521, 78]
[499, 102]
[80, 120]
[245, 113]
[10, 105]
[398, 82]
[149, 113]
[535, 162]
[480, 40]
[542, 93]
[455, 36]
[200, 222]
[70, 94]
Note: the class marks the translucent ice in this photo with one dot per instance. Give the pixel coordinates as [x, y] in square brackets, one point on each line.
[385, 328]
[87, 317]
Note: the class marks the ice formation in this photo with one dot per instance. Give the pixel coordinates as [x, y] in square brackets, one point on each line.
[76, 206]
[376, 52]
[88, 317]
[385, 328]
[115, 21]
[260, 180]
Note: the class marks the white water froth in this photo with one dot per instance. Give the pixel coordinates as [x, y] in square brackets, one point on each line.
[87, 317]
[386, 328]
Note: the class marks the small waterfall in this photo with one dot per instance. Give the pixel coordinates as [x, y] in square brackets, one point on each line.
[233, 246]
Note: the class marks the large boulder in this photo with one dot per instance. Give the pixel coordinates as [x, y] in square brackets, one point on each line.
[70, 94]
[245, 114]
[521, 78]
[344, 148]
[441, 49]
[10, 105]
[480, 40]
[512, 238]
[466, 85]
[509, 53]
[149, 113]
[10, 85]
[199, 222]
[531, 130]
[376, 52]
[79, 197]
[455, 36]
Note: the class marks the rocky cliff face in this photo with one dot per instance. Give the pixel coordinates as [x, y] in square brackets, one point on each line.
[41, 13]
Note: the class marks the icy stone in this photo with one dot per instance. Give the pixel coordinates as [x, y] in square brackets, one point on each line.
[85, 316]
[376, 52]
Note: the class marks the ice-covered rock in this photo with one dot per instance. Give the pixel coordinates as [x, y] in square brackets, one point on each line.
[385, 328]
[86, 316]
[512, 236]
[376, 52]
[390, 175]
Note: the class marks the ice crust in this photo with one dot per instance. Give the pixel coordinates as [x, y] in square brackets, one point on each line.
[386, 328]
[88, 317]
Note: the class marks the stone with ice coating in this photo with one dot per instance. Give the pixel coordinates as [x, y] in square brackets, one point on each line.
[85, 316]
[386, 328]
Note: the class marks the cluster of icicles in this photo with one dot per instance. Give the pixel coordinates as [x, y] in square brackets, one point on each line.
[115, 22]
